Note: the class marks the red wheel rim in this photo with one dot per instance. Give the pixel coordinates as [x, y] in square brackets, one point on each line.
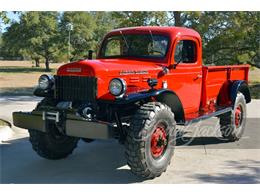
[238, 116]
[158, 141]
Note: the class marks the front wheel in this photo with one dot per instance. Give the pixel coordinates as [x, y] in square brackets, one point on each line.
[232, 124]
[52, 144]
[151, 139]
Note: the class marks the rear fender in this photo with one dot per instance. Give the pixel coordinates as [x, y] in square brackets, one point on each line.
[240, 86]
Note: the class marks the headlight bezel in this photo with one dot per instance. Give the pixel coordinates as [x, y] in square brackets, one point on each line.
[49, 82]
[123, 87]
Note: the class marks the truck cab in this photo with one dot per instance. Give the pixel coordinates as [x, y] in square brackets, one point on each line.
[179, 51]
[144, 82]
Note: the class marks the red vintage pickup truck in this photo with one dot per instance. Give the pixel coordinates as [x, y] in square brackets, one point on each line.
[144, 82]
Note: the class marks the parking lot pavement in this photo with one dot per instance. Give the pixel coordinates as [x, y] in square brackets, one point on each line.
[206, 159]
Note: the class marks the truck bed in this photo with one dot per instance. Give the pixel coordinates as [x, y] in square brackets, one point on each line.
[215, 82]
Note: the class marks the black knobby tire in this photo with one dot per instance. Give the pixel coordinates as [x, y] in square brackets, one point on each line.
[138, 142]
[228, 127]
[52, 145]
[47, 101]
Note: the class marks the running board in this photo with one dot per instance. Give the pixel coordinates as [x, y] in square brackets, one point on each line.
[207, 116]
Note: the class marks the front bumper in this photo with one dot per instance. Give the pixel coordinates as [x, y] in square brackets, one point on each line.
[72, 125]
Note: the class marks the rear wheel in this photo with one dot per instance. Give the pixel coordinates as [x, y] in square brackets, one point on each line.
[151, 139]
[52, 144]
[232, 124]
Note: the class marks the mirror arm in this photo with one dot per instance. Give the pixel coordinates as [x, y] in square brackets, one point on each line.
[173, 66]
[90, 54]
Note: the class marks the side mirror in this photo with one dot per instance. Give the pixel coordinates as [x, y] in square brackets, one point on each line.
[90, 54]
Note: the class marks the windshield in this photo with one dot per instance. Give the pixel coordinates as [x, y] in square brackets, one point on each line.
[135, 45]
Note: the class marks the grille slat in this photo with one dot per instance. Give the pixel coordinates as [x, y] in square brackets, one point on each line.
[73, 88]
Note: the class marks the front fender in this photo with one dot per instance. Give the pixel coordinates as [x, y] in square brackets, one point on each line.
[166, 96]
[134, 97]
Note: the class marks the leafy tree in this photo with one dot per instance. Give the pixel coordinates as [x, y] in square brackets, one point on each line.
[177, 18]
[39, 34]
[3, 18]
[228, 37]
[143, 18]
[81, 35]
[104, 23]
[11, 43]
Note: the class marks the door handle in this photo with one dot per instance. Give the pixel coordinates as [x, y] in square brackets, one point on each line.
[199, 76]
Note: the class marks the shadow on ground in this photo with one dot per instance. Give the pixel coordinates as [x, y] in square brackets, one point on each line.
[96, 162]
[199, 141]
[101, 162]
[246, 172]
[104, 162]
[16, 91]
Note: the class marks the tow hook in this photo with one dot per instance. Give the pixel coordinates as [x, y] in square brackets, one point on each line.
[54, 116]
[57, 118]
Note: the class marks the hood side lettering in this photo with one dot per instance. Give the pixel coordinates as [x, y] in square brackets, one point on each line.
[129, 72]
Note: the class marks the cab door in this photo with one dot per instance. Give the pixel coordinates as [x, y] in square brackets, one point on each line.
[186, 76]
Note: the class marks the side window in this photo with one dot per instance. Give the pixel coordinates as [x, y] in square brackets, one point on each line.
[185, 52]
[113, 47]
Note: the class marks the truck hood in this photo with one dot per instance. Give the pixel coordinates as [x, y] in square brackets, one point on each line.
[109, 67]
[134, 72]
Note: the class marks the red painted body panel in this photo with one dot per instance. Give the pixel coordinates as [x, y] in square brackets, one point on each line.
[216, 80]
[198, 87]
[107, 69]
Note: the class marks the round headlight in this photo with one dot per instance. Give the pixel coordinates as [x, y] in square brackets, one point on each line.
[45, 82]
[117, 86]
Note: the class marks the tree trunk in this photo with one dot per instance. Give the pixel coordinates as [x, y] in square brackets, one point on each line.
[37, 62]
[47, 64]
[177, 18]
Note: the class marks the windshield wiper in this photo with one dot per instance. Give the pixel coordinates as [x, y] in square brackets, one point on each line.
[124, 39]
[153, 41]
[151, 34]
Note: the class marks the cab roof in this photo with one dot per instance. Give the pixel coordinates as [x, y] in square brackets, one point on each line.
[169, 30]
